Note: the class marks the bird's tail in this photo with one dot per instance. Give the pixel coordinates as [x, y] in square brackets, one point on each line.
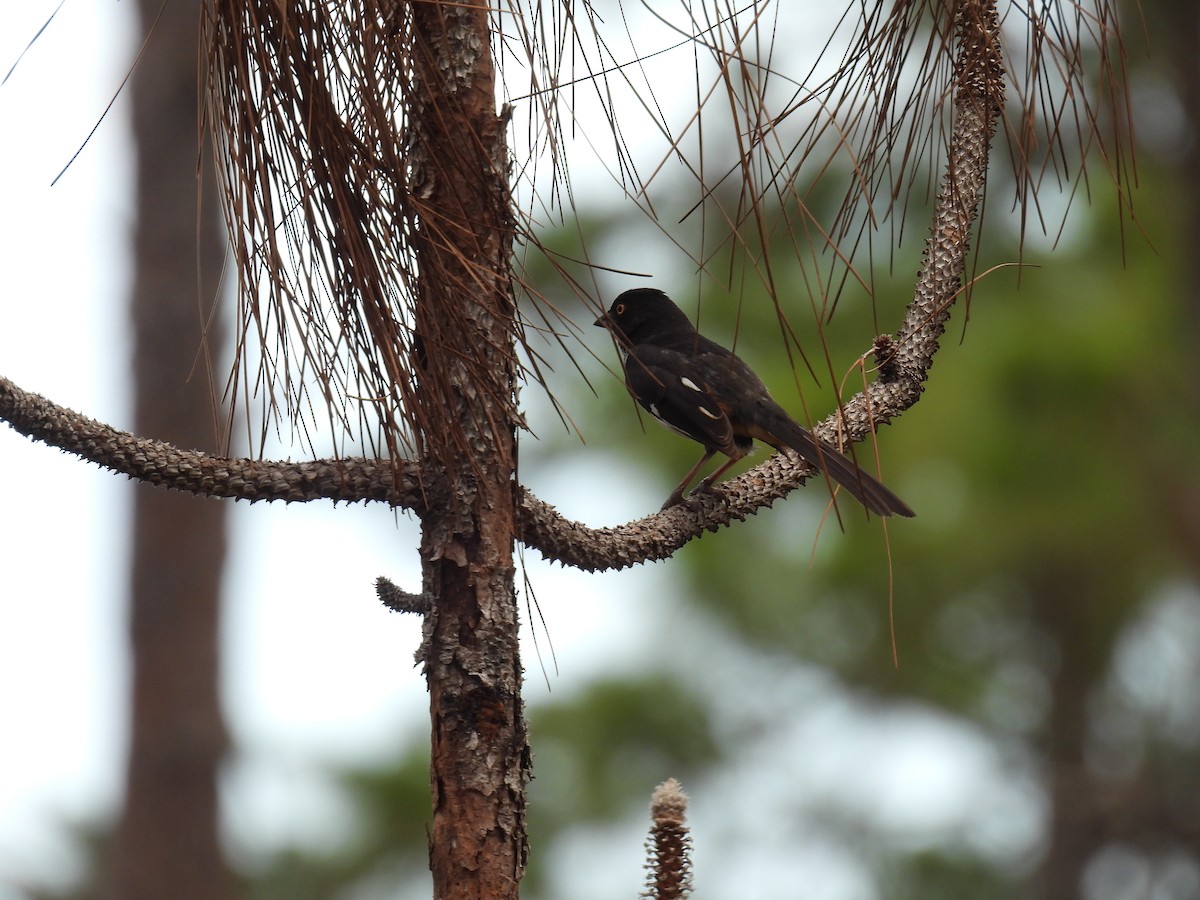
[868, 491]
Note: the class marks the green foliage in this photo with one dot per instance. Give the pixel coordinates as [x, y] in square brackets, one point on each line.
[1046, 463]
[600, 753]
[938, 876]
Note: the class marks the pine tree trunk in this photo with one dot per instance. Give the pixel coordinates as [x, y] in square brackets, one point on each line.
[465, 322]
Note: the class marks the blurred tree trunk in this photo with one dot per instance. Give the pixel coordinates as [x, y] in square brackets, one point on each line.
[1066, 604]
[166, 844]
[1175, 26]
[1180, 36]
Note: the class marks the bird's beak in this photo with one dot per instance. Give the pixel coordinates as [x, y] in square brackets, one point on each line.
[602, 322]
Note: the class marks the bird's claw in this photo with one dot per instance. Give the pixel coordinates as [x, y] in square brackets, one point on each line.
[674, 500]
[695, 497]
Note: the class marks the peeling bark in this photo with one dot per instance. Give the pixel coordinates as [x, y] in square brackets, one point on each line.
[466, 323]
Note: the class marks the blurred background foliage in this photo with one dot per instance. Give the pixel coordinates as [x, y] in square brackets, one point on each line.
[1045, 605]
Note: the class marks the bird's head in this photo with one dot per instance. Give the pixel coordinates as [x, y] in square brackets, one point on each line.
[644, 316]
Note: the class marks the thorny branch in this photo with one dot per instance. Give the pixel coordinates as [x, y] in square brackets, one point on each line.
[978, 99]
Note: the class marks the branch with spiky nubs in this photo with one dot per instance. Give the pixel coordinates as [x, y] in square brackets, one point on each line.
[669, 845]
[904, 365]
[162, 464]
[399, 600]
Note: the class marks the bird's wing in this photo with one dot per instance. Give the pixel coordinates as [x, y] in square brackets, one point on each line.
[670, 386]
[741, 395]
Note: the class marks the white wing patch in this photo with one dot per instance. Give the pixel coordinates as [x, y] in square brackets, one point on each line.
[688, 383]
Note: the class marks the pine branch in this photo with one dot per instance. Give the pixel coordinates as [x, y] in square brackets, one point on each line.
[163, 464]
[978, 99]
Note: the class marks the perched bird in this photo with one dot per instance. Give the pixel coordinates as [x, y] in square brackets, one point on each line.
[702, 391]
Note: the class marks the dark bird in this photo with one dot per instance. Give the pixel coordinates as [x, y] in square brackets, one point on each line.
[702, 391]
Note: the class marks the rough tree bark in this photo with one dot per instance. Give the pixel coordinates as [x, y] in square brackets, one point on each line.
[466, 328]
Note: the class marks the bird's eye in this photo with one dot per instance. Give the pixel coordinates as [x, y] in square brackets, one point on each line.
[620, 309]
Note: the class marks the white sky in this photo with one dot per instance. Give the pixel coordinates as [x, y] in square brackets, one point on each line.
[60, 662]
[315, 668]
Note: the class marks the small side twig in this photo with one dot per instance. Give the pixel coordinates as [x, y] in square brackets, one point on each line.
[398, 600]
[886, 367]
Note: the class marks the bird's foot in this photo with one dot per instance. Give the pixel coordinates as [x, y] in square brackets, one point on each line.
[703, 489]
[674, 500]
[706, 489]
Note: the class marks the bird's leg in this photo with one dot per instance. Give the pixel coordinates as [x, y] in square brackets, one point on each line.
[677, 494]
[709, 480]
[738, 450]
